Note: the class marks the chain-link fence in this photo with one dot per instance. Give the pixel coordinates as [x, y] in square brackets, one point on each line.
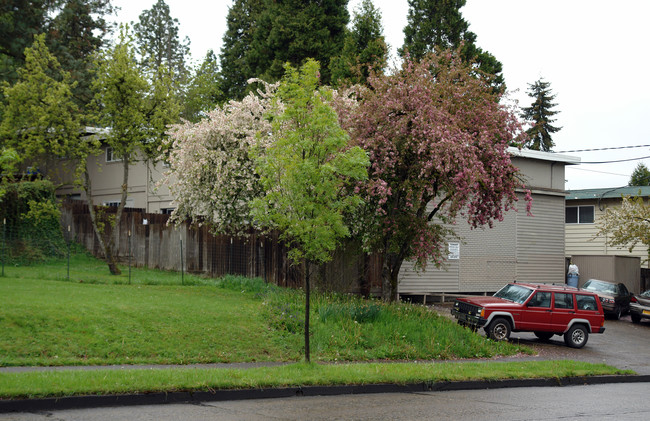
[30, 217]
[146, 240]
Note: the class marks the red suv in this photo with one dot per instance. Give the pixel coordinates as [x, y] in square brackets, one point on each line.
[545, 310]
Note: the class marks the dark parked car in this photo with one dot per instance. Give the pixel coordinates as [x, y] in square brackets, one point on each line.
[640, 307]
[614, 296]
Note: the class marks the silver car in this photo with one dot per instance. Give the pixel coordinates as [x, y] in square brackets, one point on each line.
[640, 306]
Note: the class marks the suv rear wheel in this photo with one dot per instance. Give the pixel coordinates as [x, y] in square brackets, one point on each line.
[576, 336]
[499, 329]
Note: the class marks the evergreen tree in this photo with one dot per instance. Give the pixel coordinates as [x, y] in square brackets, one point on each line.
[203, 92]
[20, 20]
[75, 33]
[439, 24]
[539, 116]
[235, 51]
[158, 43]
[640, 176]
[263, 35]
[365, 47]
[73, 28]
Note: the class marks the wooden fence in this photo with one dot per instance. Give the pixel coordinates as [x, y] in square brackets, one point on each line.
[151, 242]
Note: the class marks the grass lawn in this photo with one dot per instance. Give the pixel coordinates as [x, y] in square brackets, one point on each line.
[71, 383]
[93, 318]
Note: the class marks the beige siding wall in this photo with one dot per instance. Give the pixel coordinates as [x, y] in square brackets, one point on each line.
[540, 241]
[539, 174]
[521, 247]
[583, 239]
[106, 179]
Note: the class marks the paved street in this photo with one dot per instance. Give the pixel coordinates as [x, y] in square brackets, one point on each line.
[603, 402]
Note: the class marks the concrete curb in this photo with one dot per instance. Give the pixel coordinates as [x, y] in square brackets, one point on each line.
[81, 402]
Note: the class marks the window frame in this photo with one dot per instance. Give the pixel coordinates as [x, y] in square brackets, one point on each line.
[109, 151]
[577, 214]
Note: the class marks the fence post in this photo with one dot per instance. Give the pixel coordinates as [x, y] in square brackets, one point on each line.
[182, 271]
[69, 241]
[129, 239]
[4, 240]
[230, 257]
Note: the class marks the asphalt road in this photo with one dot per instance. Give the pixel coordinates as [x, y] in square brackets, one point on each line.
[602, 402]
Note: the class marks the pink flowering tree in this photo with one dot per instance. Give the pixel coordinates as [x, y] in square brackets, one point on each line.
[437, 140]
[212, 176]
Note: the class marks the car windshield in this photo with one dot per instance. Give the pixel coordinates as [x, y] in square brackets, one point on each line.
[646, 294]
[599, 286]
[514, 293]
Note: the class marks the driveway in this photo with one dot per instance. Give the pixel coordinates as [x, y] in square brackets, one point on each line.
[624, 345]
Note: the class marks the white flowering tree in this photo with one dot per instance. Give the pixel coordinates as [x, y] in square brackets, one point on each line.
[212, 176]
[627, 225]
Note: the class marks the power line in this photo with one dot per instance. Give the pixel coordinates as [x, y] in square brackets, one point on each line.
[606, 149]
[575, 168]
[612, 162]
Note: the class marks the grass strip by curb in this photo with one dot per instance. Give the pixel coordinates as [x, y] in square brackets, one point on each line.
[104, 382]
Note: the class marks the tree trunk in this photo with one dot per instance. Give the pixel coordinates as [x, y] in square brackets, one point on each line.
[307, 309]
[391, 264]
[107, 249]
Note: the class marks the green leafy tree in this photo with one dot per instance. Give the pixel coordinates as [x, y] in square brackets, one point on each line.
[364, 49]
[203, 92]
[439, 24]
[305, 173]
[539, 116]
[137, 111]
[159, 45]
[627, 225]
[263, 35]
[40, 118]
[640, 176]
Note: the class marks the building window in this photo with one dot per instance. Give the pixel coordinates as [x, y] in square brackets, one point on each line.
[110, 156]
[167, 211]
[580, 215]
[112, 203]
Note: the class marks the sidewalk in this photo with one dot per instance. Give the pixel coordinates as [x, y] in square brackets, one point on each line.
[81, 402]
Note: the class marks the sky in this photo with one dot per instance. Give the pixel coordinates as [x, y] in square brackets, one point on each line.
[593, 53]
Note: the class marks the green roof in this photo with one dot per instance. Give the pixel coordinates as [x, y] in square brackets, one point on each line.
[608, 193]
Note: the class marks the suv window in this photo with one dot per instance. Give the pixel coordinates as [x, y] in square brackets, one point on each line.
[540, 299]
[586, 302]
[563, 300]
[514, 293]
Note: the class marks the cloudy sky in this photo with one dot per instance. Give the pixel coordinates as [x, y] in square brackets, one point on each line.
[593, 52]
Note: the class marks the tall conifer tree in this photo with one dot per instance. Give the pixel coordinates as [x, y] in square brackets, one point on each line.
[263, 35]
[439, 24]
[159, 44]
[365, 47]
[539, 116]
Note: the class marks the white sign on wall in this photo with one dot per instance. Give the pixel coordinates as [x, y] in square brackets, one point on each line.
[454, 251]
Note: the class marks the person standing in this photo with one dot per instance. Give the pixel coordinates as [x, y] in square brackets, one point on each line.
[573, 275]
